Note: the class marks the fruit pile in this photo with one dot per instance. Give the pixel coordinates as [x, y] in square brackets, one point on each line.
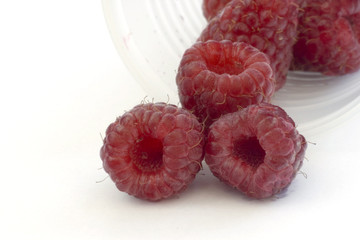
[225, 84]
[327, 36]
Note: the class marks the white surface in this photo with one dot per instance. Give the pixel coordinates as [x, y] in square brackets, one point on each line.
[62, 83]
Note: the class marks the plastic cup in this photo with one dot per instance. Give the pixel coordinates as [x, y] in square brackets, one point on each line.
[152, 35]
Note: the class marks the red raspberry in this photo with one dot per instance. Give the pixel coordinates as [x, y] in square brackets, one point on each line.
[216, 78]
[269, 25]
[153, 151]
[212, 7]
[329, 35]
[256, 150]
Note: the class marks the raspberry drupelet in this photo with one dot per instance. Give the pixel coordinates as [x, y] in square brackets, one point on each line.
[212, 7]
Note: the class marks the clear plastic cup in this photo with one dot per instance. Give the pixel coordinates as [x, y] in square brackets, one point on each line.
[152, 35]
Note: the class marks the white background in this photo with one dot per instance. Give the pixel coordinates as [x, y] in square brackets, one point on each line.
[62, 83]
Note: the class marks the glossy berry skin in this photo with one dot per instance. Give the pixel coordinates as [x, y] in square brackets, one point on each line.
[256, 150]
[328, 39]
[215, 78]
[269, 25]
[153, 151]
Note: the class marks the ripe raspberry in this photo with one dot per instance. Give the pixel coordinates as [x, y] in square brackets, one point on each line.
[216, 78]
[329, 35]
[153, 151]
[212, 7]
[269, 25]
[256, 150]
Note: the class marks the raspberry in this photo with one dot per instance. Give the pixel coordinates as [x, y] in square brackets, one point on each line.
[329, 35]
[216, 78]
[153, 151]
[269, 25]
[212, 7]
[256, 150]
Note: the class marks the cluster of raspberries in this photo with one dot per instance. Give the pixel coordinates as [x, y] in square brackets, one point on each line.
[225, 83]
[322, 35]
